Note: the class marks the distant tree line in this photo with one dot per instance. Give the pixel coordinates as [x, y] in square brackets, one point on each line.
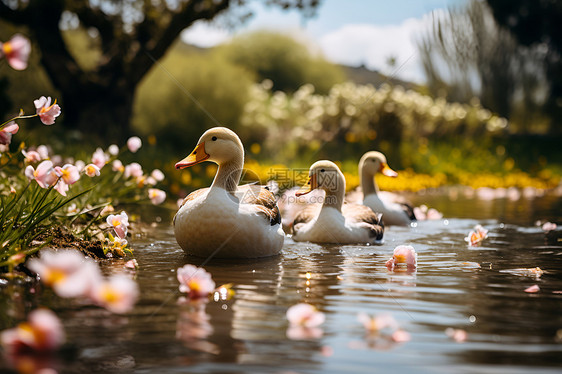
[506, 53]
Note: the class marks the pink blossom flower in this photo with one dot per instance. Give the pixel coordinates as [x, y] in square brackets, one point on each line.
[16, 51]
[45, 174]
[133, 170]
[305, 315]
[476, 236]
[42, 332]
[117, 165]
[92, 170]
[403, 254]
[99, 158]
[61, 187]
[69, 273]
[7, 131]
[43, 151]
[194, 281]
[157, 175]
[80, 165]
[533, 289]
[457, 335]
[47, 112]
[120, 223]
[118, 293]
[156, 196]
[113, 150]
[68, 173]
[134, 143]
[377, 323]
[31, 156]
[549, 226]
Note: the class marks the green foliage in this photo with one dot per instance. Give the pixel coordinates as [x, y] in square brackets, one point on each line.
[283, 60]
[353, 119]
[187, 93]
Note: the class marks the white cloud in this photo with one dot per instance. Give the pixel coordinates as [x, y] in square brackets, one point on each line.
[205, 35]
[372, 45]
[352, 44]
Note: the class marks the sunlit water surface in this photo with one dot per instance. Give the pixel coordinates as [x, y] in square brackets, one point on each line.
[508, 329]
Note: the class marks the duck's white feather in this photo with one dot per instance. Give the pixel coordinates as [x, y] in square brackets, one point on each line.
[216, 223]
[331, 226]
[392, 213]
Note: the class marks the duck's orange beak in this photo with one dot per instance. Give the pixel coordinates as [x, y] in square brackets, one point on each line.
[310, 185]
[386, 170]
[198, 155]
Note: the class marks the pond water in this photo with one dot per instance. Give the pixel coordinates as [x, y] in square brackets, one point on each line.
[509, 330]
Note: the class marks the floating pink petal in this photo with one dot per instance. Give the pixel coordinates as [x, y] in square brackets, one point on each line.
[43, 332]
[549, 226]
[476, 236]
[118, 293]
[457, 335]
[195, 281]
[401, 336]
[403, 254]
[296, 332]
[305, 315]
[377, 323]
[132, 264]
[534, 288]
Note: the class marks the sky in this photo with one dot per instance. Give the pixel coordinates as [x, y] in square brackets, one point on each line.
[351, 32]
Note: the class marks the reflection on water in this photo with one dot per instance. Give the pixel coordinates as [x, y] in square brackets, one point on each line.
[479, 290]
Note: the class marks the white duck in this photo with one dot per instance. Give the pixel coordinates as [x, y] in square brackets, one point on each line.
[393, 212]
[227, 220]
[334, 222]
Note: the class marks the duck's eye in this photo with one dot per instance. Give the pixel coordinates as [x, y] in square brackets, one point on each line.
[322, 170]
[214, 138]
[194, 152]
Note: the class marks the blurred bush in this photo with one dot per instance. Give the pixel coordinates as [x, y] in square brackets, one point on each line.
[283, 60]
[353, 119]
[186, 93]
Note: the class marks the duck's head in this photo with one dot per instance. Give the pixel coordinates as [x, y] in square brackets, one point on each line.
[219, 145]
[323, 175]
[375, 162]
